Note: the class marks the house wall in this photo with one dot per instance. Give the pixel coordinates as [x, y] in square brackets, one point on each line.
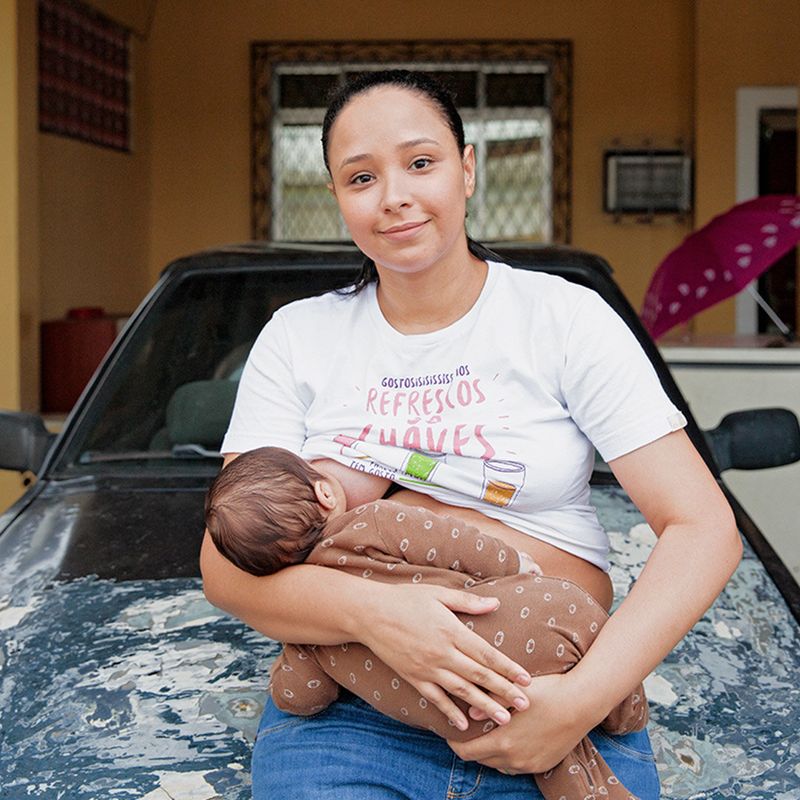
[663, 70]
[9, 223]
[633, 80]
[80, 225]
[93, 215]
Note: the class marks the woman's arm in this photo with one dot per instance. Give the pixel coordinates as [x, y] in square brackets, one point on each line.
[697, 551]
[411, 628]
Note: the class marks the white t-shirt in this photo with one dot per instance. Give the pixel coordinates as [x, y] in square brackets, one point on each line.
[497, 412]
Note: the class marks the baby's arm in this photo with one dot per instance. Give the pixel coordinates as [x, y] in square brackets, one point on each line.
[419, 536]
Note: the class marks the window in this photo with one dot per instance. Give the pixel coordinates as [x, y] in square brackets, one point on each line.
[513, 97]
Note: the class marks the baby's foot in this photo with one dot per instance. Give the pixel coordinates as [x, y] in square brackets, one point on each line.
[528, 565]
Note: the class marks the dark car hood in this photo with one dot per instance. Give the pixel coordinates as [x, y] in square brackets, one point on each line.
[111, 527]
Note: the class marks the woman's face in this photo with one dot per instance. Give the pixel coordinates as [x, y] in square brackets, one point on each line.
[399, 178]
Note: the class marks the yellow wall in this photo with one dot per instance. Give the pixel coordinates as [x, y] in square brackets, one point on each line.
[28, 228]
[136, 15]
[633, 78]
[757, 45]
[9, 207]
[10, 393]
[94, 215]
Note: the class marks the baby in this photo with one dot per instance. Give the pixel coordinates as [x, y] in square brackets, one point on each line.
[269, 509]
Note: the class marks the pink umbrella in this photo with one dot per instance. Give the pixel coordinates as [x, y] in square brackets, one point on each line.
[720, 259]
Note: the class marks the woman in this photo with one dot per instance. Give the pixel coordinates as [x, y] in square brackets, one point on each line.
[502, 376]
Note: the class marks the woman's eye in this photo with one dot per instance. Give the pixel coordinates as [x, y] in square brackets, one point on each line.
[420, 163]
[361, 179]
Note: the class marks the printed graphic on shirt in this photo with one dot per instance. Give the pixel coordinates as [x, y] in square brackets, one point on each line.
[416, 421]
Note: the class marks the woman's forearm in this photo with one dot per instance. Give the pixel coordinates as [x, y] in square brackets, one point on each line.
[302, 604]
[411, 628]
[684, 574]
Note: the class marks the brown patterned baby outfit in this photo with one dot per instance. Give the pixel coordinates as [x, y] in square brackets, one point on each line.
[545, 624]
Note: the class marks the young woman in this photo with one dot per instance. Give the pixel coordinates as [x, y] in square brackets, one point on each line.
[506, 379]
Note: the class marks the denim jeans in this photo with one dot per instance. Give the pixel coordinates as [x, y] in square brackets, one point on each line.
[350, 751]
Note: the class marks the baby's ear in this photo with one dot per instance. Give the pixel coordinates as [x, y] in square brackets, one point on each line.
[325, 495]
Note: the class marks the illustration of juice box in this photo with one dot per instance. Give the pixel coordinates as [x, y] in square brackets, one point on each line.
[415, 464]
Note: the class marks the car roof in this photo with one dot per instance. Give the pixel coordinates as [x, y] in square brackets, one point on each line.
[560, 259]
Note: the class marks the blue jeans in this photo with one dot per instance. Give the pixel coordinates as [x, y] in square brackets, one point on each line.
[350, 751]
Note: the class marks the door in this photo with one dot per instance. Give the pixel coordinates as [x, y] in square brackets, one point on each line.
[777, 174]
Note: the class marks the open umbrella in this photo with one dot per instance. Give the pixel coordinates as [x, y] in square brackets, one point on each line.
[720, 259]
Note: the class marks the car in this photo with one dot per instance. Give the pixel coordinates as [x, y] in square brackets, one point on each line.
[118, 679]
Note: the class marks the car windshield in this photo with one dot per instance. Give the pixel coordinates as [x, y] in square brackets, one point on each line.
[165, 398]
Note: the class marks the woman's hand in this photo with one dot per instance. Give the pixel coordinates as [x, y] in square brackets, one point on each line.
[413, 630]
[539, 738]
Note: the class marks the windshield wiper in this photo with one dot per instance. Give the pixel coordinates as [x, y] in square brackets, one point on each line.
[179, 451]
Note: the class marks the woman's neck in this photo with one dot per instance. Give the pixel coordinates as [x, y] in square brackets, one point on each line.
[432, 299]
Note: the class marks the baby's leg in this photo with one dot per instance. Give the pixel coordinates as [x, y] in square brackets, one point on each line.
[583, 775]
[298, 685]
[356, 667]
[547, 625]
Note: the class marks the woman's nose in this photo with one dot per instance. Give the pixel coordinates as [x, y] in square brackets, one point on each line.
[396, 193]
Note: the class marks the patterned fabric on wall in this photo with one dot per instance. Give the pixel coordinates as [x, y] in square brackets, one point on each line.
[84, 82]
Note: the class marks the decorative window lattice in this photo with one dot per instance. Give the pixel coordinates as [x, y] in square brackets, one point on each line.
[84, 83]
[515, 106]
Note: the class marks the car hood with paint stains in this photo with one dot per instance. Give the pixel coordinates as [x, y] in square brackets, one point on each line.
[141, 689]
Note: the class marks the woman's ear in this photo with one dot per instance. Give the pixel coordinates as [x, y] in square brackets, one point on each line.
[331, 188]
[468, 162]
[325, 496]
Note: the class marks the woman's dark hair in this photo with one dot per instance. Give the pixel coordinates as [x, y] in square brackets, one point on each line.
[417, 82]
[421, 83]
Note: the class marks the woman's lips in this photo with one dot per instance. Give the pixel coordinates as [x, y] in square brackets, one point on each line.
[404, 231]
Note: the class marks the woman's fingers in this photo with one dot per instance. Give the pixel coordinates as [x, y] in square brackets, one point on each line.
[488, 658]
[455, 686]
[477, 714]
[420, 638]
[487, 704]
[435, 695]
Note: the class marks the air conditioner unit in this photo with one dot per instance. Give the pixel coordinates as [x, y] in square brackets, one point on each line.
[647, 182]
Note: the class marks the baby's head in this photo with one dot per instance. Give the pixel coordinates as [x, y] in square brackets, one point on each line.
[267, 508]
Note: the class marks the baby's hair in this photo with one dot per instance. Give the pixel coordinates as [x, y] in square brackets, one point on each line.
[262, 512]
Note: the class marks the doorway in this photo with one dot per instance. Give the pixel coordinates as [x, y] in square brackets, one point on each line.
[777, 174]
[762, 116]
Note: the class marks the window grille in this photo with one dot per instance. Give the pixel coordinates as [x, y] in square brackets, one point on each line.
[515, 113]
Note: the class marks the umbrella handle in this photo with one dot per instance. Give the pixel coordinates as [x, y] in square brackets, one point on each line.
[769, 311]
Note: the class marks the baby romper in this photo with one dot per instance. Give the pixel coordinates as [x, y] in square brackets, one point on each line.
[546, 624]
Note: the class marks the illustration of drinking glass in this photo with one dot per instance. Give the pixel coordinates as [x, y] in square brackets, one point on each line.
[502, 481]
